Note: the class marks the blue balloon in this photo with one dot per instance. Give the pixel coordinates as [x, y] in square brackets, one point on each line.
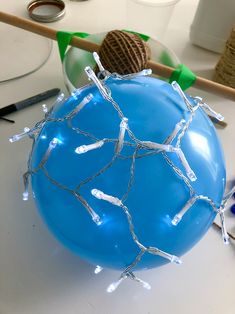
[149, 186]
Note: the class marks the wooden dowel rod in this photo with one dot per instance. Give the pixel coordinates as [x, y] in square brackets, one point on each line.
[215, 88]
[200, 83]
[160, 69]
[44, 31]
[157, 68]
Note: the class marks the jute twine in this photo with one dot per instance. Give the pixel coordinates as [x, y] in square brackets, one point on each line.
[123, 53]
[225, 68]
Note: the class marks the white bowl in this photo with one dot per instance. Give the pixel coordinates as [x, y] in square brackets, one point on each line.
[76, 60]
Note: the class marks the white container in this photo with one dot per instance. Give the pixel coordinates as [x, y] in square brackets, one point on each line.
[149, 17]
[76, 60]
[212, 24]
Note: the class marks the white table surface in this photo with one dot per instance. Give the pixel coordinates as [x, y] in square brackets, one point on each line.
[37, 274]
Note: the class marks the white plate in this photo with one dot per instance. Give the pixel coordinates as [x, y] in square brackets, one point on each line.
[22, 52]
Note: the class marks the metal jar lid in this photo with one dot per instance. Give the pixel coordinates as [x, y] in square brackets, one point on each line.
[46, 10]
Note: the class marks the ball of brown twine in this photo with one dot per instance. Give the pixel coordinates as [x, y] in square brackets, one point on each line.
[225, 68]
[123, 53]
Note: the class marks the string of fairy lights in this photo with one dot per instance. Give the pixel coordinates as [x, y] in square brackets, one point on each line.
[149, 148]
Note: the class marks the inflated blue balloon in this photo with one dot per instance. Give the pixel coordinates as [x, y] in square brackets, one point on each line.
[157, 193]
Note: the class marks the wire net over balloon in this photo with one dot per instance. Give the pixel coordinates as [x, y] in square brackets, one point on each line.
[150, 148]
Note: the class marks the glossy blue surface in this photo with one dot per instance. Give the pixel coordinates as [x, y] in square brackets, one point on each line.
[153, 108]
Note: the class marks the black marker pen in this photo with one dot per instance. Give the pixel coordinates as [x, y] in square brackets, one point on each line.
[28, 102]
